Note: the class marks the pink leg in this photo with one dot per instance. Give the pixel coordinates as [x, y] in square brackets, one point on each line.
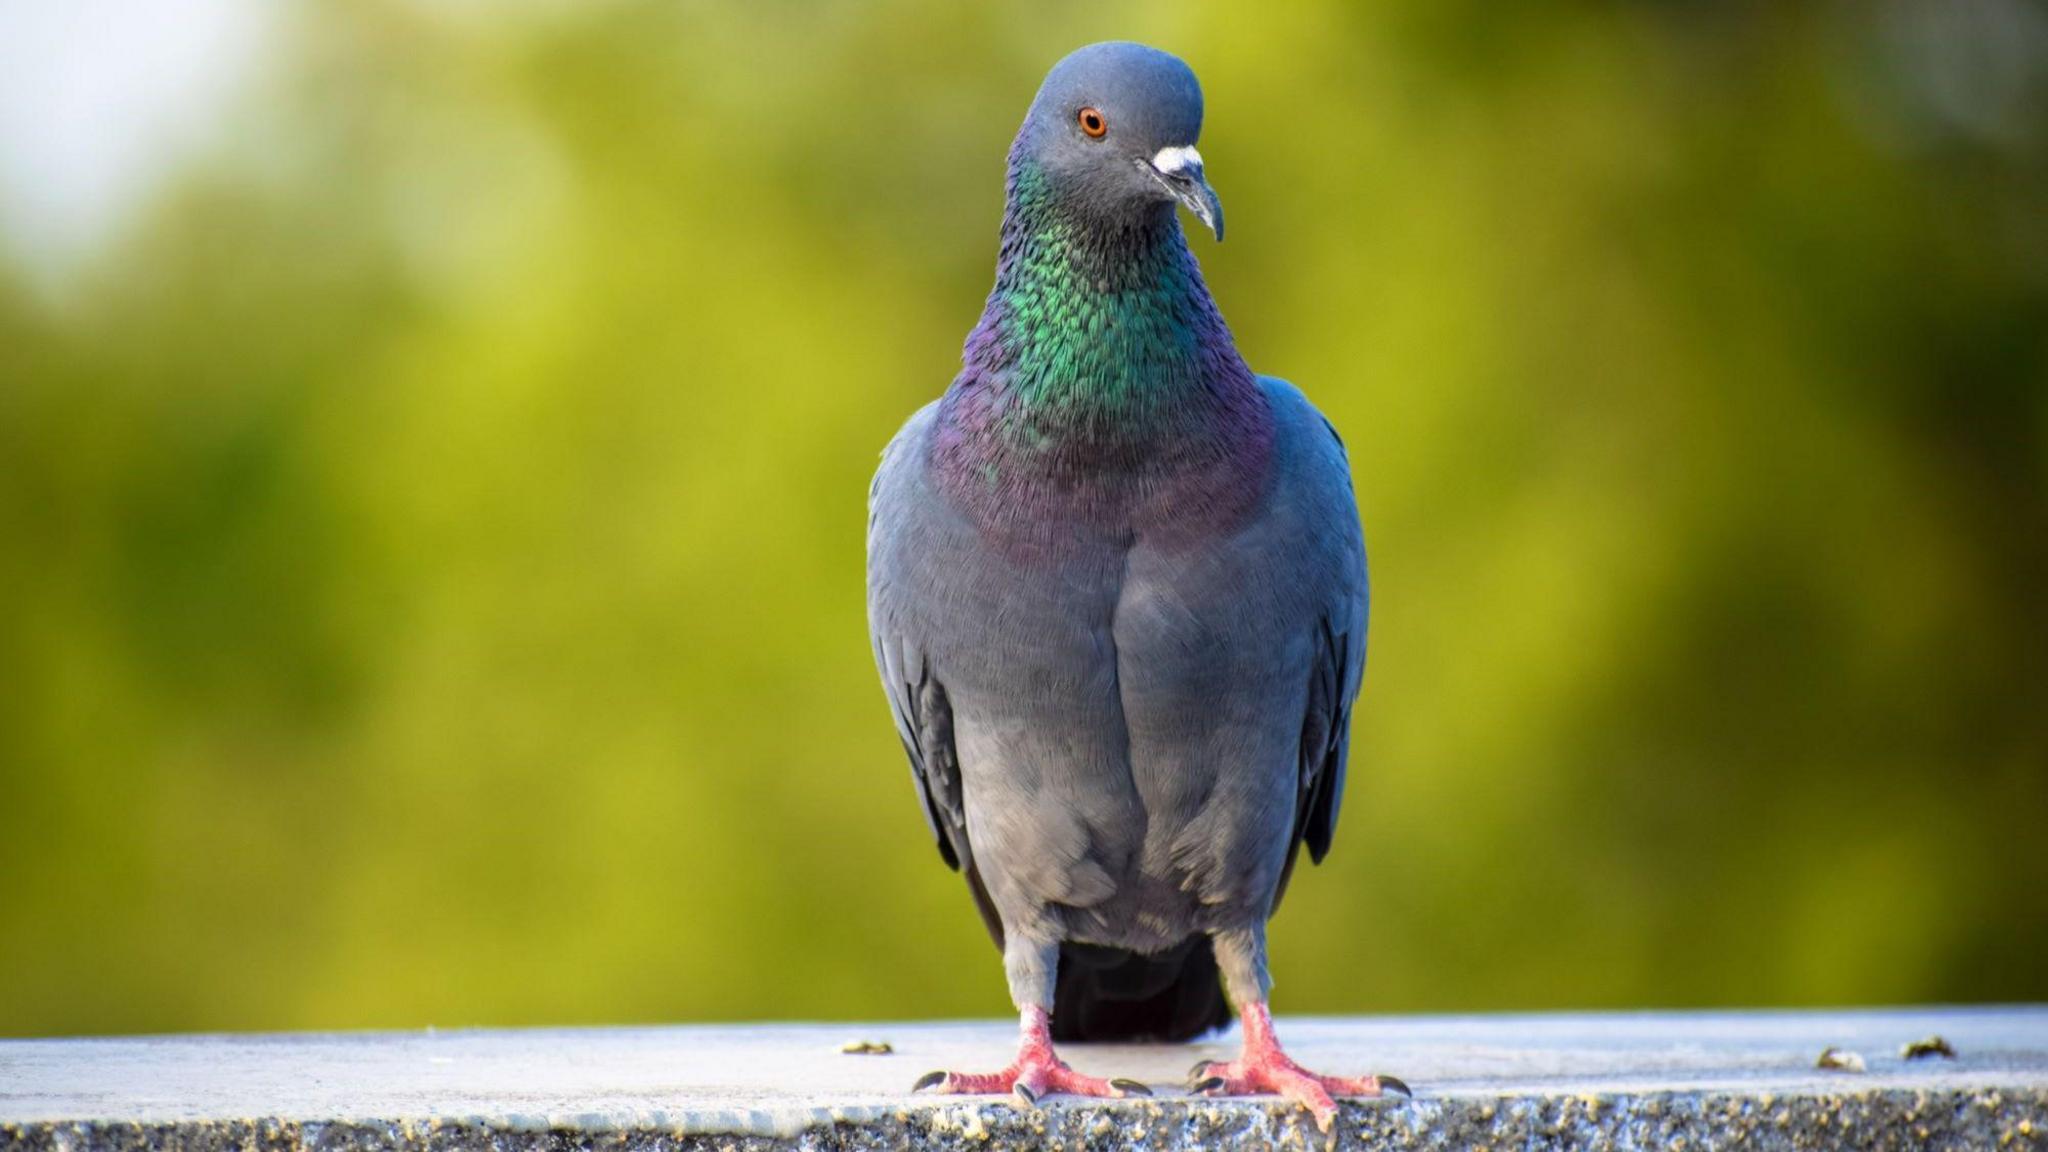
[1263, 1067]
[1035, 1072]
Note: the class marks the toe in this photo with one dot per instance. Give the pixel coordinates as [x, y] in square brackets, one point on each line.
[1307, 1091]
[970, 1084]
[1365, 1086]
[1350, 1085]
[1065, 1079]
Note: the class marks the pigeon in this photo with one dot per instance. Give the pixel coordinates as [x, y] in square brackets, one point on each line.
[1117, 594]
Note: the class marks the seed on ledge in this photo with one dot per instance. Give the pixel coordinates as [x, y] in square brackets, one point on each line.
[1839, 1060]
[1932, 1046]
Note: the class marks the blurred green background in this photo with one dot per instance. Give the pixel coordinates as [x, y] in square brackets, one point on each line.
[432, 484]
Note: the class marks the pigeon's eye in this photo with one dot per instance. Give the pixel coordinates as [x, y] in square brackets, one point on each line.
[1094, 123]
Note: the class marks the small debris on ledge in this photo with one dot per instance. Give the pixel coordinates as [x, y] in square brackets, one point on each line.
[1839, 1060]
[1932, 1046]
[866, 1048]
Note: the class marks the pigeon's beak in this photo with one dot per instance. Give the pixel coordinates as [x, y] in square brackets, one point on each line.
[1179, 171]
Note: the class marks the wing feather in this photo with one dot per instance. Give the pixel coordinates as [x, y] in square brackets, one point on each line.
[917, 696]
[1335, 676]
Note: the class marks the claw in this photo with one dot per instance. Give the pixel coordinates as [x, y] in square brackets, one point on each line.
[1130, 1087]
[1204, 1087]
[1395, 1084]
[927, 1080]
[1198, 1069]
[1024, 1095]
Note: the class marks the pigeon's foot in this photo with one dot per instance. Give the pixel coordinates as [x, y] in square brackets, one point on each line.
[1264, 1068]
[1033, 1074]
[1029, 1079]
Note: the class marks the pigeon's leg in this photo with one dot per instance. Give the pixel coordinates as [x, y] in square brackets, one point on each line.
[1263, 1067]
[1036, 1070]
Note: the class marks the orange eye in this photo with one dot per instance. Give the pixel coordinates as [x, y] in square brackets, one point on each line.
[1093, 123]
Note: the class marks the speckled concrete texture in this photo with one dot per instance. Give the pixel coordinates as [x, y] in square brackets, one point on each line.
[1640, 1081]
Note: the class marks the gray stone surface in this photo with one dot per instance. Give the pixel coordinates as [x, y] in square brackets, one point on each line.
[1664, 1081]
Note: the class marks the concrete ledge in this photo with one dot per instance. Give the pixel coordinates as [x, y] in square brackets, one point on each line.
[1662, 1081]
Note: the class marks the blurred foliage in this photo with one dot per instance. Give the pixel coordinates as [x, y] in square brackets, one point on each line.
[431, 534]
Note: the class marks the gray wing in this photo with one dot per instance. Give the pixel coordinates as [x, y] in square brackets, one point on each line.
[1338, 669]
[918, 701]
[1325, 740]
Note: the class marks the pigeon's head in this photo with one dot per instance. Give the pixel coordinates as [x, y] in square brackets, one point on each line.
[1112, 131]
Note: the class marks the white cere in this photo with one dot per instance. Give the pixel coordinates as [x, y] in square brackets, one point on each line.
[1171, 160]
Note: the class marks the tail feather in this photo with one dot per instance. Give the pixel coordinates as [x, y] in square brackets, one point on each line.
[1112, 994]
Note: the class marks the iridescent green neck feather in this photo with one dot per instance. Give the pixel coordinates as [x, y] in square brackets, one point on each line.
[1100, 391]
[1096, 320]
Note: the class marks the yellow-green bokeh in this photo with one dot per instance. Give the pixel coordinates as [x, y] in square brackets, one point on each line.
[431, 532]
